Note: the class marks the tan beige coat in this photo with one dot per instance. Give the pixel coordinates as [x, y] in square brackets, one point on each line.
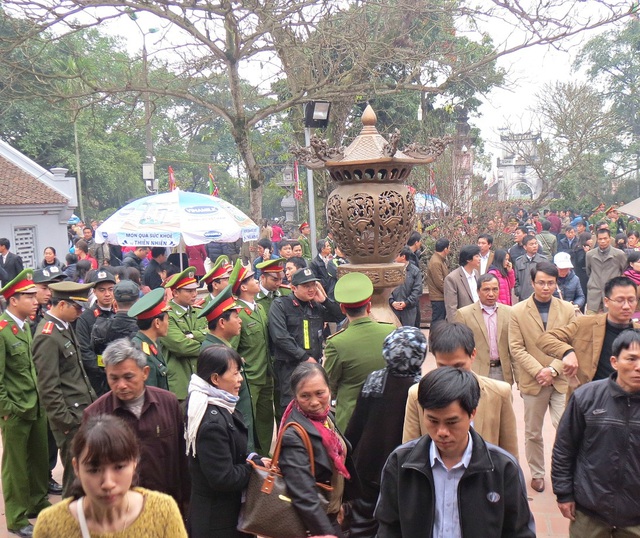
[495, 420]
[472, 317]
[585, 336]
[525, 328]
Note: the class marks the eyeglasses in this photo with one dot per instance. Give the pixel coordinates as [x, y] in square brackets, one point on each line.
[621, 301]
[544, 284]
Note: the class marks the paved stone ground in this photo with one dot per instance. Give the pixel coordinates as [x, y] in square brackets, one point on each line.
[549, 521]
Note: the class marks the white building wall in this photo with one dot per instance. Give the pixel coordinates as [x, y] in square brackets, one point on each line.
[49, 232]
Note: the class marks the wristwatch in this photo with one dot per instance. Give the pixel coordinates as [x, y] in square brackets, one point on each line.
[554, 372]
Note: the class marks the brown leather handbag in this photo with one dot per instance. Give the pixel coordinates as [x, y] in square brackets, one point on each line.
[267, 509]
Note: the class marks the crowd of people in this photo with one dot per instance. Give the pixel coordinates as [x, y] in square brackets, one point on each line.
[162, 389]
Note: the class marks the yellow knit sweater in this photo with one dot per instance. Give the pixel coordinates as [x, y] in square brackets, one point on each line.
[160, 518]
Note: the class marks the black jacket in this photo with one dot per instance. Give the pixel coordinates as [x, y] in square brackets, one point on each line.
[12, 266]
[219, 473]
[84, 329]
[131, 260]
[301, 484]
[287, 327]
[492, 497]
[319, 269]
[595, 456]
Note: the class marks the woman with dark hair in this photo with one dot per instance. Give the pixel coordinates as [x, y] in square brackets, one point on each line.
[103, 502]
[50, 259]
[380, 408]
[83, 267]
[217, 445]
[502, 269]
[310, 409]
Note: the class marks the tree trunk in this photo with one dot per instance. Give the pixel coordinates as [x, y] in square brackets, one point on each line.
[256, 176]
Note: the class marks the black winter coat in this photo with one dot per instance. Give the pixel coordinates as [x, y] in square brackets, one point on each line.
[219, 473]
[301, 484]
[595, 457]
[492, 496]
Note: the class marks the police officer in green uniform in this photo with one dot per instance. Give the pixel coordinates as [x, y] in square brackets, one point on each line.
[353, 353]
[42, 278]
[217, 278]
[271, 285]
[224, 323]
[181, 345]
[23, 423]
[253, 346]
[63, 384]
[153, 323]
[305, 233]
[103, 285]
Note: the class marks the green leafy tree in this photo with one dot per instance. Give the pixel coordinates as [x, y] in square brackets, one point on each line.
[313, 49]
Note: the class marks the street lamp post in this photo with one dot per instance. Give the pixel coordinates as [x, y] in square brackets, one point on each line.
[316, 115]
[148, 167]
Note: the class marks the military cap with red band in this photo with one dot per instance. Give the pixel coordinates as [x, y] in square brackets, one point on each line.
[353, 290]
[221, 269]
[22, 283]
[275, 265]
[185, 280]
[239, 273]
[149, 306]
[221, 303]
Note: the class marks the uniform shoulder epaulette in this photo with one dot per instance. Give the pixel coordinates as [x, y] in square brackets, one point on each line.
[48, 327]
[3, 324]
[335, 333]
[385, 323]
[285, 286]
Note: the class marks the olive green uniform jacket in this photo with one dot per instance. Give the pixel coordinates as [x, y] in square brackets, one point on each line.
[62, 381]
[181, 346]
[349, 357]
[244, 404]
[155, 360]
[266, 300]
[253, 344]
[25, 461]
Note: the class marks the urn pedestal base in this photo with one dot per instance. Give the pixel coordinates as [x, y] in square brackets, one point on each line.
[385, 278]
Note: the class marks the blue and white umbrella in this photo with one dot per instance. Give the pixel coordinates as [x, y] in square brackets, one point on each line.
[174, 218]
[427, 203]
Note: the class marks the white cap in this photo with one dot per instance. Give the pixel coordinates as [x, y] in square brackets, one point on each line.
[563, 260]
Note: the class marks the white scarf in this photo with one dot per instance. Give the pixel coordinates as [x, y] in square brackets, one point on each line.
[202, 394]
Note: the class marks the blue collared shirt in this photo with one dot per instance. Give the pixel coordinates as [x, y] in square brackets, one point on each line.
[445, 482]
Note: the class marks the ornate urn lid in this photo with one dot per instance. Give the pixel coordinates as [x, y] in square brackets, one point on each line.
[370, 157]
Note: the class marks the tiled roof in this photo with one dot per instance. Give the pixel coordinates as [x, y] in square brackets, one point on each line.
[17, 187]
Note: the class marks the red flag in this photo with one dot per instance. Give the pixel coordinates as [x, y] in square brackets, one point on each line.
[432, 183]
[172, 180]
[297, 191]
[213, 186]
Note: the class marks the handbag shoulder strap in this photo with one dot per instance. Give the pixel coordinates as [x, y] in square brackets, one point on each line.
[82, 520]
[305, 441]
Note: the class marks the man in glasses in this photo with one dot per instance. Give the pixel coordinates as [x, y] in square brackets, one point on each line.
[584, 346]
[542, 381]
